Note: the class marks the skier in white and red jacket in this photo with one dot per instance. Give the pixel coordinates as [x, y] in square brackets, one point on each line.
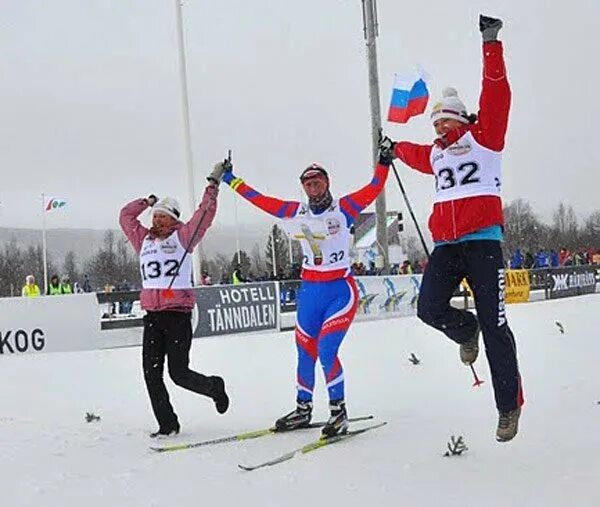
[467, 225]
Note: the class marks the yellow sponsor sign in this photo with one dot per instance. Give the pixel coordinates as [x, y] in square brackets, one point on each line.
[517, 285]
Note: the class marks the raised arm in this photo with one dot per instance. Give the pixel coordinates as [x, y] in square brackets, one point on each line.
[416, 156]
[201, 220]
[276, 207]
[352, 204]
[130, 225]
[494, 101]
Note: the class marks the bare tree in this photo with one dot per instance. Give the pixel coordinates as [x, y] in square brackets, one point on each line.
[590, 234]
[259, 266]
[113, 263]
[565, 230]
[412, 248]
[17, 263]
[70, 267]
[523, 229]
[278, 252]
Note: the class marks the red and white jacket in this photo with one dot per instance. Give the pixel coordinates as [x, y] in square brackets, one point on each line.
[460, 209]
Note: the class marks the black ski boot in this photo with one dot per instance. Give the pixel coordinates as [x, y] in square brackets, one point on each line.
[219, 395]
[338, 421]
[166, 432]
[299, 418]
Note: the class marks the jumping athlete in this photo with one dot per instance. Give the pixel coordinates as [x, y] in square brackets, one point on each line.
[167, 323]
[328, 297]
[467, 226]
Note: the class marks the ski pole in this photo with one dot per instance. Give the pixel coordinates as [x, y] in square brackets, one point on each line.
[477, 382]
[410, 210]
[168, 293]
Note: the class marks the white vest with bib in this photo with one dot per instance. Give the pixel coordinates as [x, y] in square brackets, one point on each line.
[159, 263]
[465, 169]
[325, 238]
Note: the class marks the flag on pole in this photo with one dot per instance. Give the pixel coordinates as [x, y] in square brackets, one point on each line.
[55, 203]
[409, 97]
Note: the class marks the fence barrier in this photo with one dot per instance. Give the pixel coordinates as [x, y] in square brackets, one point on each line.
[110, 320]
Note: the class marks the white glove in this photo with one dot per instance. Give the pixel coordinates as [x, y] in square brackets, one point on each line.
[219, 171]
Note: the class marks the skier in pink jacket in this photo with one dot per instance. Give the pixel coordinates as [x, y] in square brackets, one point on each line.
[168, 298]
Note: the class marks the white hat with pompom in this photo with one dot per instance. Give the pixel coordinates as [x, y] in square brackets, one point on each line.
[450, 107]
[168, 206]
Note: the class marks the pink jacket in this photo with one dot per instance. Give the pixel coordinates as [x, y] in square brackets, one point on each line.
[153, 299]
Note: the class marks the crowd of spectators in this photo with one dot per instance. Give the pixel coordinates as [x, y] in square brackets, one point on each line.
[552, 259]
[541, 259]
[58, 286]
[406, 268]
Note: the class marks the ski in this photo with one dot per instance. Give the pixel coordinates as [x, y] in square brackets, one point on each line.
[312, 446]
[249, 435]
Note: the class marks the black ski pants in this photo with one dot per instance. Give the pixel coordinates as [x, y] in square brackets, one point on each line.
[481, 263]
[169, 333]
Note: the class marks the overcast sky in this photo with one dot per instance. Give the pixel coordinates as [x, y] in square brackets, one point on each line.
[90, 105]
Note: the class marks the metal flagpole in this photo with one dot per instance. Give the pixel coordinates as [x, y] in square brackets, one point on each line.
[237, 229]
[370, 29]
[187, 137]
[44, 254]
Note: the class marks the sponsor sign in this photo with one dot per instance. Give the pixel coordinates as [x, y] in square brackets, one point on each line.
[571, 281]
[387, 296]
[517, 286]
[231, 309]
[49, 324]
[538, 278]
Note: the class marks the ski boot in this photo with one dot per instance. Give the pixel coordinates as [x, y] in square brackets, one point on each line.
[508, 425]
[338, 421]
[299, 418]
[166, 432]
[219, 395]
[469, 350]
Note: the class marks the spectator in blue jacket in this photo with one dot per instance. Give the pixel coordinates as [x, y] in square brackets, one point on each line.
[541, 259]
[554, 259]
[517, 260]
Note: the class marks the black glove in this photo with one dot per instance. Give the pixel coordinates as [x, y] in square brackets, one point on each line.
[386, 150]
[489, 28]
[151, 200]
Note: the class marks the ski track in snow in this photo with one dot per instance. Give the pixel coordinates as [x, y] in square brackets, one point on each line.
[51, 457]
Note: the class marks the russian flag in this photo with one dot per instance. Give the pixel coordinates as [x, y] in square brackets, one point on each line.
[409, 97]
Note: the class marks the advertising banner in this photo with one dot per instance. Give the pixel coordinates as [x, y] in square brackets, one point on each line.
[538, 278]
[571, 281]
[288, 293]
[231, 309]
[517, 286]
[387, 296]
[49, 324]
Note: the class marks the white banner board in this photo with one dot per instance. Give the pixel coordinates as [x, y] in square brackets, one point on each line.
[49, 324]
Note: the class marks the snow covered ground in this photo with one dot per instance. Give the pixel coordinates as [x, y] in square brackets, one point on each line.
[49, 456]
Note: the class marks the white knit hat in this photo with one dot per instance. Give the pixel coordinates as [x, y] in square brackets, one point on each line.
[450, 107]
[168, 206]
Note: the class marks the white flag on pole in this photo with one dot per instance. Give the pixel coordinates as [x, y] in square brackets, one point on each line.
[54, 203]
